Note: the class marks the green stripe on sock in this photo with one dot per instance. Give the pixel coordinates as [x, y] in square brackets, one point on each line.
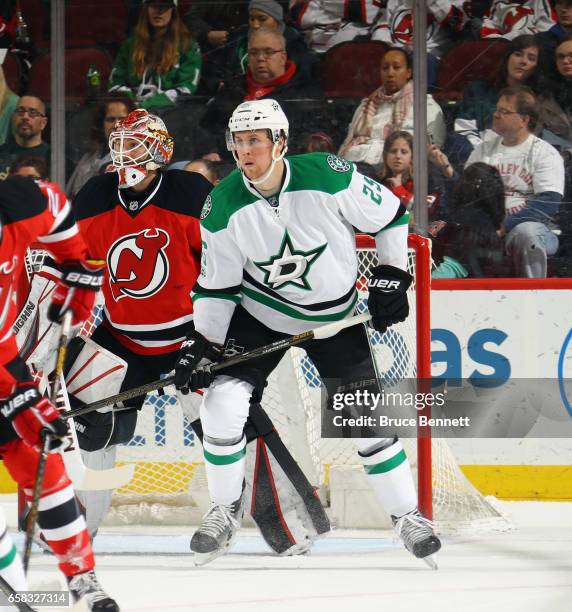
[225, 459]
[7, 560]
[386, 466]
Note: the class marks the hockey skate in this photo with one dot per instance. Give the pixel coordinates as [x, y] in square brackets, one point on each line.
[217, 531]
[418, 536]
[86, 586]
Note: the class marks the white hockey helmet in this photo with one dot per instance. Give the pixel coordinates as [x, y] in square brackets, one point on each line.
[140, 142]
[264, 114]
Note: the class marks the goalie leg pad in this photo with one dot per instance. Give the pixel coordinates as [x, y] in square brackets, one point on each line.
[282, 501]
[93, 372]
[97, 503]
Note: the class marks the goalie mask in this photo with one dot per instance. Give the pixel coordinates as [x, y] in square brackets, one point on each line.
[139, 143]
[259, 115]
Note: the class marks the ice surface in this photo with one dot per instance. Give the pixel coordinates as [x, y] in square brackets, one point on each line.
[527, 570]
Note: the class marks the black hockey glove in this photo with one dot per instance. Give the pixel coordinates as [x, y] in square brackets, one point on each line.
[192, 370]
[387, 300]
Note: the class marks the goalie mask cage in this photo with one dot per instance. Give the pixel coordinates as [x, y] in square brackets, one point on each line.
[169, 486]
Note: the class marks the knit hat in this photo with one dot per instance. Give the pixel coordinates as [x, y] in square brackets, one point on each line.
[162, 2]
[270, 7]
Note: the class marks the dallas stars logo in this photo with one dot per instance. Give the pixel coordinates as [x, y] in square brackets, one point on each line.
[289, 266]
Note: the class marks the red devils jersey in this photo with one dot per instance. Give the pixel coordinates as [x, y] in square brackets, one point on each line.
[151, 243]
[30, 211]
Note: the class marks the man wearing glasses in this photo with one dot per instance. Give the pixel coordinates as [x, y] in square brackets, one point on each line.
[533, 175]
[28, 122]
[270, 74]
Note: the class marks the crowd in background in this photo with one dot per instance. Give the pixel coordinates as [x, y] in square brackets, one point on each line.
[499, 150]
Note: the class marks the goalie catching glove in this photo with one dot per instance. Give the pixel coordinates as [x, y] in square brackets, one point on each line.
[192, 370]
[76, 290]
[31, 413]
[387, 300]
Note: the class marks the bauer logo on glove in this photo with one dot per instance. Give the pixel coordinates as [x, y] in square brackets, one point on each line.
[387, 300]
[76, 290]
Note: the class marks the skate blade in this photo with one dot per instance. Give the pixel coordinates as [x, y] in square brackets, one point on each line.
[297, 550]
[200, 559]
[431, 562]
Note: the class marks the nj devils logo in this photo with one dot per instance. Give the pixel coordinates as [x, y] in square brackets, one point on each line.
[402, 27]
[516, 17]
[138, 265]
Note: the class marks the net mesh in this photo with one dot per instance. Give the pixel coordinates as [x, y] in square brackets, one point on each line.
[169, 482]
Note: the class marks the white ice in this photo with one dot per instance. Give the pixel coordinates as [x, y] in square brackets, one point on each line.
[526, 570]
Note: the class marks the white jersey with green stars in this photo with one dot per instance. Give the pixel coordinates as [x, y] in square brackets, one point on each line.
[290, 260]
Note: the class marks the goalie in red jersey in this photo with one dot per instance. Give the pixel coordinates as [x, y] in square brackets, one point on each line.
[31, 211]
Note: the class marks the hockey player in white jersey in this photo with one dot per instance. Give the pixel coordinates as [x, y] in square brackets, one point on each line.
[278, 259]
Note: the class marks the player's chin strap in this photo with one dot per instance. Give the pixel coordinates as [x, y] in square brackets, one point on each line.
[276, 157]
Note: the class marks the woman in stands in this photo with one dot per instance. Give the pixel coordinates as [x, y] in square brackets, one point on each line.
[97, 159]
[521, 65]
[8, 102]
[388, 109]
[160, 61]
[558, 111]
[396, 172]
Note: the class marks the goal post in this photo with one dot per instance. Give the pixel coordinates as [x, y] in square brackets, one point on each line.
[169, 485]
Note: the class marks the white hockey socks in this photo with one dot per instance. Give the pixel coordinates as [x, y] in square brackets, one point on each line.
[10, 563]
[389, 474]
[225, 467]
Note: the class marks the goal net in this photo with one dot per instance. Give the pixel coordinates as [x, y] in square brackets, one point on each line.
[169, 486]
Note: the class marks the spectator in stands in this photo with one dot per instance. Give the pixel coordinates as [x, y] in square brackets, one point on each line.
[445, 21]
[34, 167]
[509, 19]
[205, 167]
[521, 65]
[317, 141]
[270, 74]
[8, 102]
[8, 25]
[212, 22]
[562, 29]
[533, 175]
[232, 60]
[329, 22]
[397, 166]
[469, 242]
[97, 159]
[28, 121]
[388, 109]
[396, 171]
[557, 109]
[160, 62]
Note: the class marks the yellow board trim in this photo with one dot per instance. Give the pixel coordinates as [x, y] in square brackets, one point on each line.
[511, 482]
[522, 482]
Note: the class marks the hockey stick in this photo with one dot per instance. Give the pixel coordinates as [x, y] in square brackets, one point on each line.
[7, 589]
[46, 438]
[314, 334]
